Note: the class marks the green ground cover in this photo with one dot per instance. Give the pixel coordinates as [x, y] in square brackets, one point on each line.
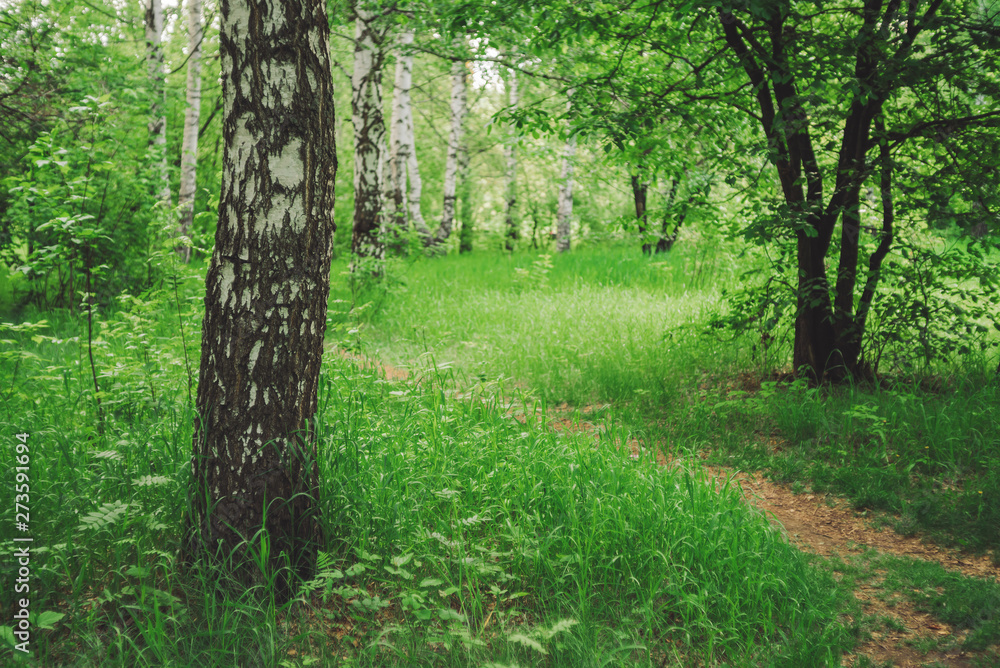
[462, 531]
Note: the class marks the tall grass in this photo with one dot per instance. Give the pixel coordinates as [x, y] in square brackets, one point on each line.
[600, 324]
[605, 324]
[455, 534]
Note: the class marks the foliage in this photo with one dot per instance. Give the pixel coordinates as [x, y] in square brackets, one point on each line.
[81, 218]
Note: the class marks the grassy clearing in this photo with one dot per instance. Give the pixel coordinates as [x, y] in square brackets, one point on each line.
[456, 534]
[597, 325]
[606, 324]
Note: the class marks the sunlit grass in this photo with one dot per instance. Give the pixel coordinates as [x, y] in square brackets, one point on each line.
[455, 533]
[598, 325]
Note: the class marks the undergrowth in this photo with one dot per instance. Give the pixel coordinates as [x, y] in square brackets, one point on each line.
[606, 324]
[459, 531]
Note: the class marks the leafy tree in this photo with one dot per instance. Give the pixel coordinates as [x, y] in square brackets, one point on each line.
[81, 215]
[911, 72]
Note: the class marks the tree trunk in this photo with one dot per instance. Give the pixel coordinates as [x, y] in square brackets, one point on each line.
[465, 190]
[157, 118]
[369, 137]
[564, 216]
[404, 84]
[828, 334]
[458, 104]
[254, 464]
[395, 164]
[403, 163]
[513, 222]
[639, 188]
[667, 239]
[189, 147]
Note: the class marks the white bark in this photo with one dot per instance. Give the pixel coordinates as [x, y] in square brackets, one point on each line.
[513, 224]
[369, 135]
[157, 118]
[458, 109]
[395, 160]
[403, 164]
[564, 216]
[189, 145]
[267, 288]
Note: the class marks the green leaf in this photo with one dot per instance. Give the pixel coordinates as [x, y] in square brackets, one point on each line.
[47, 619]
[447, 614]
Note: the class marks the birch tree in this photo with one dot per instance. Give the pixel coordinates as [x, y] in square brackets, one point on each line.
[512, 223]
[564, 214]
[267, 286]
[369, 134]
[157, 118]
[189, 145]
[459, 75]
[404, 169]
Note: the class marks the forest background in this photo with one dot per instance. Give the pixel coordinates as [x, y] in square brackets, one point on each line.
[761, 234]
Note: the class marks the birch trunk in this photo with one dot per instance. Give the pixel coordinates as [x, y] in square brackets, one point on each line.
[369, 136]
[395, 164]
[266, 296]
[564, 216]
[157, 119]
[513, 223]
[404, 160]
[393, 211]
[189, 146]
[458, 105]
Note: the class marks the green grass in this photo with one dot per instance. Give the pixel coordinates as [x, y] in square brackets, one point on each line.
[462, 531]
[600, 324]
[969, 604]
[928, 457]
[456, 534]
[605, 324]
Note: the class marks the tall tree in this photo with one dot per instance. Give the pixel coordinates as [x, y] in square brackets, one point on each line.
[897, 60]
[815, 83]
[564, 213]
[512, 223]
[404, 168]
[367, 240]
[189, 145]
[267, 287]
[157, 76]
[459, 75]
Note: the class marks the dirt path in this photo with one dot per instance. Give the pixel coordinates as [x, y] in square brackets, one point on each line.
[825, 525]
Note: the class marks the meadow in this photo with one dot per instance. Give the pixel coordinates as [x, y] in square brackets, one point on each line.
[460, 529]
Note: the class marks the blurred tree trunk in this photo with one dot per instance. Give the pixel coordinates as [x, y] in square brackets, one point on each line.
[395, 164]
[369, 136]
[458, 108]
[157, 116]
[513, 222]
[465, 191]
[564, 216]
[639, 190]
[189, 147]
[254, 464]
[406, 170]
